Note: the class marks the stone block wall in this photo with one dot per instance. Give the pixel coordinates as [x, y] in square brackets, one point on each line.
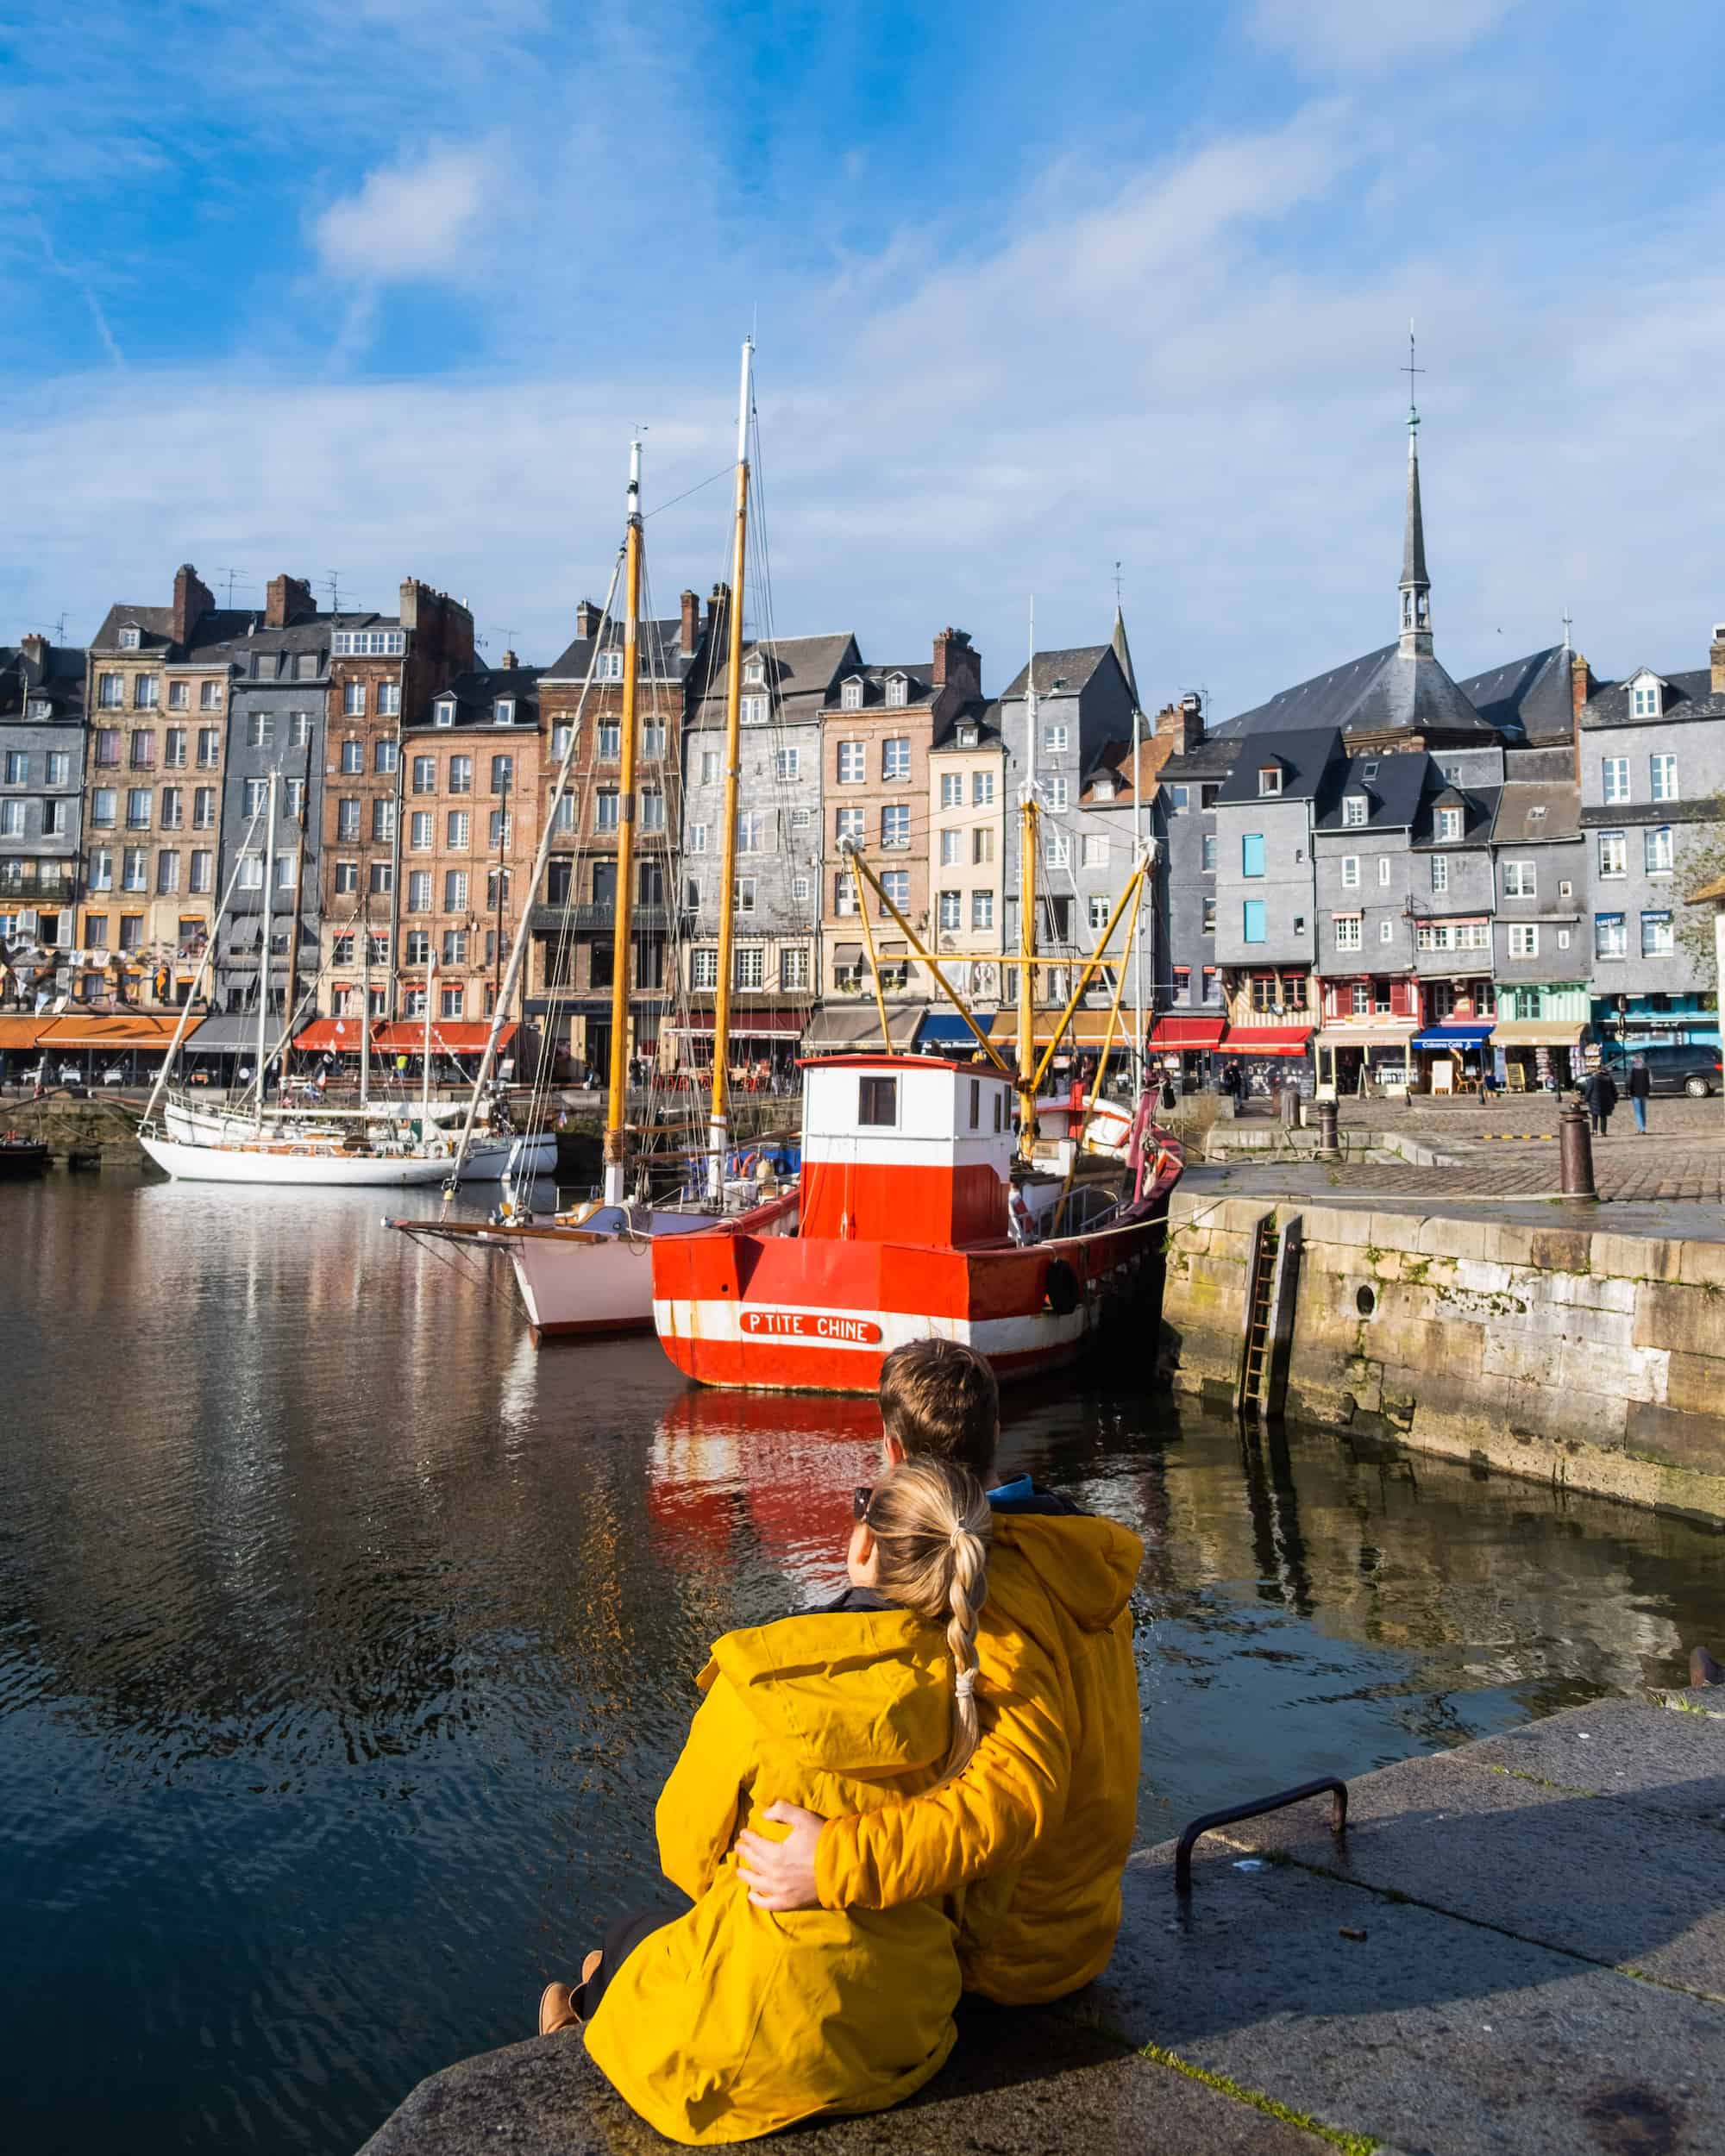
[1592, 1359]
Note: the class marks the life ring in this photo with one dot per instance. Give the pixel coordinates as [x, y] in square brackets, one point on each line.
[1060, 1284]
[745, 1166]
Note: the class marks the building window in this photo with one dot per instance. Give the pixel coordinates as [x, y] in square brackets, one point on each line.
[506, 717]
[709, 766]
[1524, 939]
[1251, 921]
[1347, 928]
[1454, 935]
[697, 838]
[951, 789]
[951, 848]
[1644, 701]
[1251, 854]
[1658, 844]
[1657, 941]
[129, 639]
[173, 748]
[1059, 795]
[982, 789]
[1384, 871]
[203, 809]
[178, 695]
[426, 774]
[383, 820]
[1095, 852]
[347, 819]
[1099, 909]
[606, 809]
[59, 767]
[455, 890]
[107, 746]
[1269, 780]
[562, 740]
[384, 755]
[461, 774]
[143, 752]
[853, 764]
[609, 742]
[1354, 810]
[369, 643]
[419, 831]
[209, 747]
[172, 808]
[352, 756]
[751, 964]
[346, 877]
[745, 894]
[896, 827]
[951, 909]
[704, 968]
[1662, 772]
[794, 967]
[1360, 999]
[104, 805]
[260, 729]
[110, 691]
[380, 877]
[1386, 931]
[1208, 919]
[354, 699]
[982, 847]
[895, 757]
[283, 871]
[1350, 872]
[788, 763]
[751, 831]
[895, 885]
[608, 666]
[1519, 880]
[210, 696]
[458, 826]
[753, 710]
[850, 697]
[139, 803]
[17, 767]
[203, 870]
[1441, 873]
[145, 691]
[455, 950]
[12, 819]
[1614, 773]
[652, 809]
[801, 889]
[1054, 739]
[982, 909]
[1213, 985]
[1449, 825]
[419, 892]
[1613, 854]
[1059, 849]
[1207, 853]
[502, 773]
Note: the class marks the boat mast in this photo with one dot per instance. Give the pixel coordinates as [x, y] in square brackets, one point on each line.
[718, 1124]
[425, 1055]
[365, 1002]
[264, 952]
[1027, 812]
[1140, 1046]
[291, 1001]
[616, 1137]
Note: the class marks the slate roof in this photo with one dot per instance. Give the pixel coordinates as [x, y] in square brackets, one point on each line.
[476, 694]
[155, 624]
[1305, 754]
[1394, 786]
[1478, 805]
[1539, 763]
[1687, 696]
[803, 671]
[661, 645]
[1526, 699]
[918, 686]
[1532, 813]
[984, 715]
[312, 632]
[1073, 668]
[1379, 690]
[60, 684]
[1213, 758]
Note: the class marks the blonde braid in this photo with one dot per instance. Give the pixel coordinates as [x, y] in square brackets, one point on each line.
[931, 1526]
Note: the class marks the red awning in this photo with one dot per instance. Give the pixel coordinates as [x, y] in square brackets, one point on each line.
[335, 1034]
[1186, 1032]
[449, 1036]
[1267, 1040]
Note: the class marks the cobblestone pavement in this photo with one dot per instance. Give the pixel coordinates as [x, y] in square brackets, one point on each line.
[1622, 1172]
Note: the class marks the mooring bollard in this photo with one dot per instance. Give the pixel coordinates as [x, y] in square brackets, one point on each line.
[1329, 1145]
[1575, 1152]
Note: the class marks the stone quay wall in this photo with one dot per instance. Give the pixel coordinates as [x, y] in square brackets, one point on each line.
[1592, 1360]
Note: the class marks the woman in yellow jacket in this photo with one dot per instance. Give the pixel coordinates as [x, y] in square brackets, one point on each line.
[729, 2022]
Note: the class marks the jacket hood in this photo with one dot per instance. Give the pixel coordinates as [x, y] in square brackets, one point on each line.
[851, 1692]
[1086, 1565]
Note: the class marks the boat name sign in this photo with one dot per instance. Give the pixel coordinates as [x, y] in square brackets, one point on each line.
[802, 1325]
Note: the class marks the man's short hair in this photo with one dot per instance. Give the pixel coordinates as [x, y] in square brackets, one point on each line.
[941, 1401]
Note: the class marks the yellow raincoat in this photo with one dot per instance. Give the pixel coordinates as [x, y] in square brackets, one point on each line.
[1064, 1583]
[730, 2022]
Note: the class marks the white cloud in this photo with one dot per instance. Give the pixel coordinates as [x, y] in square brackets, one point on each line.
[1367, 37]
[413, 220]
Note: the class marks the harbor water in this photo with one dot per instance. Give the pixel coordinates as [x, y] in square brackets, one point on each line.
[345, 1640]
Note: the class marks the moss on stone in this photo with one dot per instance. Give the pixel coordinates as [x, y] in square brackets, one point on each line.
[1337, 2137]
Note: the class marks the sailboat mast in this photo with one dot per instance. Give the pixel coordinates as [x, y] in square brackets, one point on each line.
[264, 953]
[1027, 909]
[425, 1056]
[365, 1003]
[718, 1125]
[290, 1000]
[1140, 1046]
[616, 1140]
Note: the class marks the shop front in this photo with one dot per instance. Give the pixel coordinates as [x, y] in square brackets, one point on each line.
[1270, 1058]
[761, 1047]
[1453, 1058]
[1185, 1049]
[1538, 1055]
[1629, 1022]
[1367, 1057]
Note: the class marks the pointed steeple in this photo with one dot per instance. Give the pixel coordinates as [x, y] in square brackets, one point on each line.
[1122, 650]
[1417, 586]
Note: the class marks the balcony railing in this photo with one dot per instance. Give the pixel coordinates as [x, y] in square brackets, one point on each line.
[583, 918]
[48, 886]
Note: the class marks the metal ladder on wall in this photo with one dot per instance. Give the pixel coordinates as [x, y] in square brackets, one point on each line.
[1269, 1319]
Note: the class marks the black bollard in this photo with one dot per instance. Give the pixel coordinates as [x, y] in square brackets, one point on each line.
[1575, 1152]
[1329, 1145]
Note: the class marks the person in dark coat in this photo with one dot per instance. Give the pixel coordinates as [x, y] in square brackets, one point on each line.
[1641, 1085]
[1599, 1097]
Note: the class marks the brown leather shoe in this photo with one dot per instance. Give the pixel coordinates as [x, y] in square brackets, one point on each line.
[557, 2009]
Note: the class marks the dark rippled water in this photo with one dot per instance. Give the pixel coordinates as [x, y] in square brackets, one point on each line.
[344, 1640]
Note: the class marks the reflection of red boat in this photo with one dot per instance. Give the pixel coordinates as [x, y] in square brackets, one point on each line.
[914, 1221]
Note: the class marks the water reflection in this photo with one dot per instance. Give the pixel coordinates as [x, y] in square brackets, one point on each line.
[344, 1639]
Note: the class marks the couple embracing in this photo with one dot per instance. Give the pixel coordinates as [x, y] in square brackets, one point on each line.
[952, 1746]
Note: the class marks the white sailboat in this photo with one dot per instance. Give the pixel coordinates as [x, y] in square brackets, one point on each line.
[589, 1271]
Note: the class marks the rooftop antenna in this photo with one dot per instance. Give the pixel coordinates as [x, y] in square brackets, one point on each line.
[231, 575]
[60, 631]
[1410, 371]
[333, 584]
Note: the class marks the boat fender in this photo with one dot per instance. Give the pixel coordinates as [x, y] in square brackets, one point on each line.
[1060, 1285]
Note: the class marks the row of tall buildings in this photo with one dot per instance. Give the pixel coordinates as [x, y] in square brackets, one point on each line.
[1375, 867]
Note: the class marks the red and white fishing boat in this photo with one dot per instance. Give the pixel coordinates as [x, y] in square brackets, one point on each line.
[915, 1221]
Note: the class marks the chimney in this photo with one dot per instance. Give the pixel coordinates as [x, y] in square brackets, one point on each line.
[288, 597]
[1717, 655]
[36, 649]
[1581, 687]
[586, 618]
[509, 662]
[691, 629]
[956, 665]
[192, 600]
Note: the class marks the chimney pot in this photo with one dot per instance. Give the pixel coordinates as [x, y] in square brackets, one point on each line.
[1717, 655]
[286, 599]
[586, 618]
[510, 662]
[690, 633]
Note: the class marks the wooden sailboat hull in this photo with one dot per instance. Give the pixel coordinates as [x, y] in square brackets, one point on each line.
[290, 1162]
[822, 1314]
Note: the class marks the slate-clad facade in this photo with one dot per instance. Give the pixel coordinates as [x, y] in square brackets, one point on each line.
[41, 805]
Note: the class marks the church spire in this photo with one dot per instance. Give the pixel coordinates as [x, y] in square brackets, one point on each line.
[1417, 586]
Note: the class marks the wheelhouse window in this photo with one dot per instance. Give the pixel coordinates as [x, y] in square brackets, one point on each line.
[877, 1103]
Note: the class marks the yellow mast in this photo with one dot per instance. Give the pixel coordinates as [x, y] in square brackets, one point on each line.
[719, 1121]
[617, 1108]
[1026, 967]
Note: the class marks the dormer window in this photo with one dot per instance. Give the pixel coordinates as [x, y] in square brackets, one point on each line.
[444, 710]
[610, 667]
[130, 638]
[1354, 810]
[898, 689]
[967, 736]
[755, 671]
[1270, 779]
[850, 695]
[506, 711]
[1105, 789]
[39, 709]
[1449, 825]
[1646, 698]
[1370, 771]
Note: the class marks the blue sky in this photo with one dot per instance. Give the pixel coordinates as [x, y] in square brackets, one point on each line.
[380, 286]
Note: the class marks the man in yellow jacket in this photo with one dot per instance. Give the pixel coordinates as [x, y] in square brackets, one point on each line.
[1062, 1581]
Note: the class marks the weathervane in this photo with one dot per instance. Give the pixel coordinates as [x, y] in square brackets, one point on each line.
[1410, 371]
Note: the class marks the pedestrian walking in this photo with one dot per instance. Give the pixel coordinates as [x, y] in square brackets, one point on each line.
[1599, 1097]
[1640, 1086]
